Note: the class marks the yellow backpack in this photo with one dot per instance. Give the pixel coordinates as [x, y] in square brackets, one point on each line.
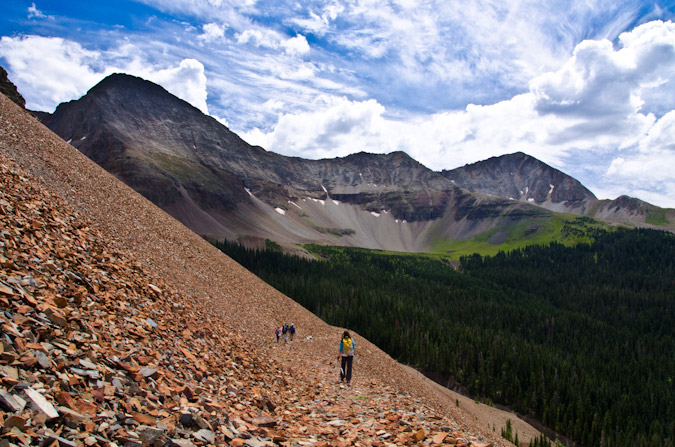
[347, 346]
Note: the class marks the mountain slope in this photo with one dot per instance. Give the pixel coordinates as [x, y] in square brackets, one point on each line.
[88, 238]
[211, 180]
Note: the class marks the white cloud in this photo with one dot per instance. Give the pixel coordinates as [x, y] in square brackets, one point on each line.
[318, 23]
[260, 38]
[648, 173]
[34, 13]
[661, 136]
[212, 32]
[296, 45]
[268, 39]
[68, 64]
[601, 80]
[187, 81]
[339, 128]
[73, 70]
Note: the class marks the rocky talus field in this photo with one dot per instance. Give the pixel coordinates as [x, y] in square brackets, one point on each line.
[120, 327]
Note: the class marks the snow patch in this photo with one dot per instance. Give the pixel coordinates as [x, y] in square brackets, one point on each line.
[83, 138]
[324, 189]
[280, 211]
[550, 190]
[336, 202]
[375, 214]
[249, 192]
[293, 203]
[511, 198]
[530, 200]
[323, 202]
[69, 141]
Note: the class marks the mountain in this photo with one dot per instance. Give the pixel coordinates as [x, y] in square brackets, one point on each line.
[523, 178]
[123, 327]
[218, 185]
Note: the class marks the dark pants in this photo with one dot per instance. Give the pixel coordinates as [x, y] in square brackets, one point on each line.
[346, 371]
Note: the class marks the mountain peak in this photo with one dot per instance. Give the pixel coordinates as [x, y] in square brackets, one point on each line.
[123, 80]
[519, 176]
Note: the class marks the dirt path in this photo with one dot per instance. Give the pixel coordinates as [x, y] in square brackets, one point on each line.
[239, 301]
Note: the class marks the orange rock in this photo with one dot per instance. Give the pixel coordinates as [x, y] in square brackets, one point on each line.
[419, 435]
[144, 419]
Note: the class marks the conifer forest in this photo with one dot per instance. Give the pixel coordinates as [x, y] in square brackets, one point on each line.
[581, 338]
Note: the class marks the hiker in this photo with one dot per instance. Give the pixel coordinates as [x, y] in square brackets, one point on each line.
[284, 333]
[292, 330]
[278, 333]
[347, 348]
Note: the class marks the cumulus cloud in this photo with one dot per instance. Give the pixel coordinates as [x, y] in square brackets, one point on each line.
[296, 45]
[73, 70]
[338, 128]
[212, 32]
[601, 80]
[187, 81]
[68, 64]
[265, 38]
[259, 38]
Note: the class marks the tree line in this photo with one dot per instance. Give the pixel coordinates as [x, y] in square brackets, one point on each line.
[582, 338]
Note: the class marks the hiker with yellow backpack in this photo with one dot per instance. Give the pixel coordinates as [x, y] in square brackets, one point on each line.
[347, 348]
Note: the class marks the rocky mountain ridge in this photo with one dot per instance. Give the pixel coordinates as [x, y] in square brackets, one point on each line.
[523, 178]
[214, 182]
[122, 327]
[211, 180]
[127, 119]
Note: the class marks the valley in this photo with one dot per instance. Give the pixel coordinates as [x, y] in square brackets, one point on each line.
[561, 334]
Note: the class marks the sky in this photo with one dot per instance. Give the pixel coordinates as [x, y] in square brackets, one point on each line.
[587, 86]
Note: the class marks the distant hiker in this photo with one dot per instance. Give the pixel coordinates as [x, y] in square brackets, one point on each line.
[347, 348]
[278, 333]
[292, 330]
[284, 333]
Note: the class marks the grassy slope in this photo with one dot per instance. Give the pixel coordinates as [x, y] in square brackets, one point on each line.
[564, 228]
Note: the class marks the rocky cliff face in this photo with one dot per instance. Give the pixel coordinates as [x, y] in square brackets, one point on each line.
[8, 89]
